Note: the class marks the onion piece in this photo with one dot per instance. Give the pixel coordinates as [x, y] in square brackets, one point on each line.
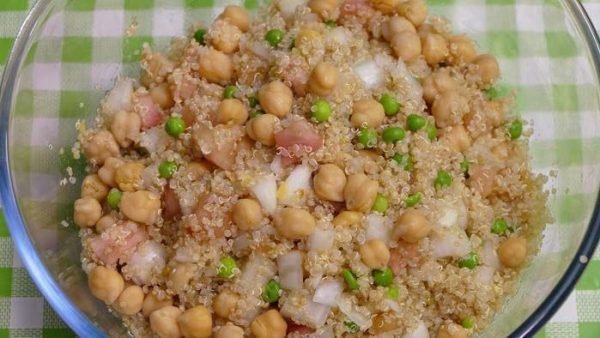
[291, 273]
[353, 313]
[321, 239]
[155, 140]
[341, 35]
[288, 7]
[296, 186]
[452, 214]
[484, 274]
[451, 242]
[256, 273]
[370, 73]
[311, 314]
[377, 228]
[393, 305]
[489, 256]
[277, 166]
[148, 259]
[265, 191]
[419, 332]
[119, 98]
[328, 292]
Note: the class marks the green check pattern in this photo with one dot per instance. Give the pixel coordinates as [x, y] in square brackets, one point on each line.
[521, 43]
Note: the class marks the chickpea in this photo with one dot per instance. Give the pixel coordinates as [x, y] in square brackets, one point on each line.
[196, 170]
[247, 214]
[181, 275]
[237, 16]
[449, 108]
[196, 322]
[326, 9]
[162, 96]
[305, 36]
[269, 324]
[105, 284]
[411, 226]
[360, 192]
[488, 69]
[93, 187]
[215, 66]
[128, 177]
[107, 172]
[225, 36]
[276, 98]
[375, 254]
[414, 10]
[99, 146]
[126, 128]
[230, 331]
[385, 6]
[163, 322]
[435, 49]
[482, 179]
[437, 83]
[458, 138]
[87, 212]
[130, 300]
[262, 129]
[462, 49]
[323, 79]
[367, 113]
[232, 111]
[347, 218]
[105, 222]
[152, 303]
[225, 303]
[329, 183]
[452, 331]
[294, 223]
[512, 252]
[140, 206]
[424, 30]
[406, 45]
[395, 25]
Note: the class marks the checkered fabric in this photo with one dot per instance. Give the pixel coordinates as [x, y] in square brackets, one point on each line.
[534, 45]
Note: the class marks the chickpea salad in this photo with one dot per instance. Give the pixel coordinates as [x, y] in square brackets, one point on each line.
[332, 168]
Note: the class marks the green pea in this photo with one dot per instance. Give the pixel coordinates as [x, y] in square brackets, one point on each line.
[431, 131]
[166, 169]
[255, 113]
[367, 137]
[470, 262]
[330, 23]
[515, 129]
[114, 198]
[252, 101]
[393, 292]
[383, 277]
[393, 134]
[199, 35]
[413, 199]
[175, 126]
[321, 110]
[415, 122]
[381, 204]
[352, 326]
[274, 37]
[350, 279]
[500, 226]
[227, 267]
[468, 323]
[390, 104]
[464, 167]
[403, 160]
[496, 92]
[443, 179]
[229, 92]
[271, 292]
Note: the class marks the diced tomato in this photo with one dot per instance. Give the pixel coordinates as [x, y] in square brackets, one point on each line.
[405, 254]
[149, 112]
[298, 139]
[171, 207]
[298, 328]
[117, 243]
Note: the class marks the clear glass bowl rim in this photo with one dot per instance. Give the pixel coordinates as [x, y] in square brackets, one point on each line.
[81, 324]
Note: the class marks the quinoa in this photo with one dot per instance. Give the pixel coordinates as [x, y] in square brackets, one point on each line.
[175, 250]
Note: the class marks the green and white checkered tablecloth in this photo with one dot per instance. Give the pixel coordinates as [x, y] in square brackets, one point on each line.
[24, 312]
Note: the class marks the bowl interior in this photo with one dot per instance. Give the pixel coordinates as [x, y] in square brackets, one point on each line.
[77, 48]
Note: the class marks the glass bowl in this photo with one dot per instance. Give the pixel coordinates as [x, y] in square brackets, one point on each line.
[69, 52]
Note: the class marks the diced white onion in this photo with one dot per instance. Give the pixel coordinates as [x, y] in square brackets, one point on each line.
[452, 242]
[155, 140]
[265, 191]
[310, 313]
[118, 99]
[489, 256]
[419, 332]
[484, 274]
[260, 49]
[296, 186]
[370, 73]
[393, 305]
[288, 7]
[358, 317]
[256, 273]
[290, 270]
[277, 166]
[148, 259]
[328, 292]
[321, 239]
[377, 228]
[340, 35]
